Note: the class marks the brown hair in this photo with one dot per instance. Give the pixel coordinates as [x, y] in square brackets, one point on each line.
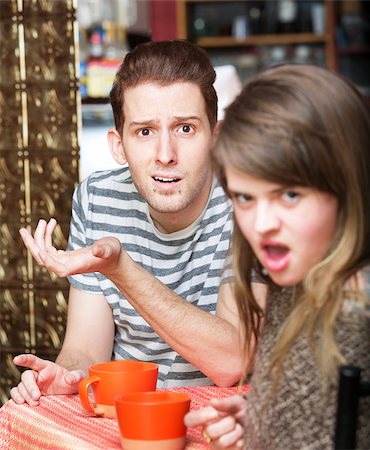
[165, 63]
[302, 125]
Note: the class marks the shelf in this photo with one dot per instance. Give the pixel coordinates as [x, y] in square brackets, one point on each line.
[352, 43]
[364, 50]
[266, 39]
[95, 101]
[97, 114]
[219, 35]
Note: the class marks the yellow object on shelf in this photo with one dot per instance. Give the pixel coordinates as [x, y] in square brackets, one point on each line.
[100, 76]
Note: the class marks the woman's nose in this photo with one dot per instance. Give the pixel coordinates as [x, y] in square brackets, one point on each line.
[266, 219]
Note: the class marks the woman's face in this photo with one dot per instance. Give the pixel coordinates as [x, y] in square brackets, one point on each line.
[289, 228]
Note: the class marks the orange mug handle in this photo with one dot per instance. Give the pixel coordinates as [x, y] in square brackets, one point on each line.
[83, 389]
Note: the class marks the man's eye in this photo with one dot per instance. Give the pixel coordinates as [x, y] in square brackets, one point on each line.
[185, 129]
[144, 132]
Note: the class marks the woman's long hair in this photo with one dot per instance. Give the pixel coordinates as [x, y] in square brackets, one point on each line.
[301, 125]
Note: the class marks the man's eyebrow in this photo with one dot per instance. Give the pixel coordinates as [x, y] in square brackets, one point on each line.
[187, 118]
[141, 123]
[147, 122]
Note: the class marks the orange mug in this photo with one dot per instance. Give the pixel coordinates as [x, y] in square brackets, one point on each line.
[152, 420]
[113, 378]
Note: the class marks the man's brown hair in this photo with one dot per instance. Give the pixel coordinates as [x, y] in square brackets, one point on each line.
[165, 62]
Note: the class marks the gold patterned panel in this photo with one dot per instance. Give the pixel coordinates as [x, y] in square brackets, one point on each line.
[48, 128]
[39, 157]
[44, 328]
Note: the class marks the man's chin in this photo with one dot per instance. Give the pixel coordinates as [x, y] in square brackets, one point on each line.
[167, 204]
[167, 209]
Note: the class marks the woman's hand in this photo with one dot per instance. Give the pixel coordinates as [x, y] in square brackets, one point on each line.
[222, 422]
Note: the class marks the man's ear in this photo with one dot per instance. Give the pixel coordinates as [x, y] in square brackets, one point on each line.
[116, 146]
[216, 130]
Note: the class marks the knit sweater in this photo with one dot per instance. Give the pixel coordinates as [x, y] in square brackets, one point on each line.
[300, 414]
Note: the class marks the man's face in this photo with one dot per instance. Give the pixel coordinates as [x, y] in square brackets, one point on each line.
[166, 139]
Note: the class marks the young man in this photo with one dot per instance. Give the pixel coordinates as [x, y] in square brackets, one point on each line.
[147, 242]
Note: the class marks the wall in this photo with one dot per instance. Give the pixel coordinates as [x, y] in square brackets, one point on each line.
[39, 159]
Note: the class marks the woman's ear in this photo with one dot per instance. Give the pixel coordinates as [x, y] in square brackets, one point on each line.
[116, 146]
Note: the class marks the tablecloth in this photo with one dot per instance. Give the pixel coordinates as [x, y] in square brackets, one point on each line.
[60, 423]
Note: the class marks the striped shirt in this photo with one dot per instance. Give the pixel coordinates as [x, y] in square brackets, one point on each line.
[189, 262]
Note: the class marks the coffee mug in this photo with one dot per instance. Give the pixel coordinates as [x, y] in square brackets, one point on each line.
[113, 378]
[152, 420]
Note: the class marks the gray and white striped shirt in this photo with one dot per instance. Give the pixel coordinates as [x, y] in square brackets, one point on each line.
[189, 262]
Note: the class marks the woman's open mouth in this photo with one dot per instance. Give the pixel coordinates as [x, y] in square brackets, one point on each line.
[275, 257]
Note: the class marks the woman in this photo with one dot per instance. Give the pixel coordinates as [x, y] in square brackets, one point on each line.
[294, 156]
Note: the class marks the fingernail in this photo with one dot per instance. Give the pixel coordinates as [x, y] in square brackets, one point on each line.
[19, 399]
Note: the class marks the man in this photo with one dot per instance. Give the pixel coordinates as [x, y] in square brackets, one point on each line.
[147, 242]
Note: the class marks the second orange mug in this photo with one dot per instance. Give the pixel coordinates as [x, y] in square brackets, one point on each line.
[113, 378]
[152, 420]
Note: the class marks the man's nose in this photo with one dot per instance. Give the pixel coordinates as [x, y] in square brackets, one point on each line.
[166, 149]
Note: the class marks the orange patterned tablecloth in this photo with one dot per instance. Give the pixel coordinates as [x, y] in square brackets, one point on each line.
[60, 422]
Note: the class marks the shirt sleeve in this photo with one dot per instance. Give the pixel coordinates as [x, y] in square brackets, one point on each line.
[228, 275]
[227, 272]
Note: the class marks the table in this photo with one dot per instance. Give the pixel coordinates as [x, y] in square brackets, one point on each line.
[60, 423]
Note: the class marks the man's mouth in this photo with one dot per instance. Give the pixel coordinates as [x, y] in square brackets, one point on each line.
[166, 185]
[166, 180]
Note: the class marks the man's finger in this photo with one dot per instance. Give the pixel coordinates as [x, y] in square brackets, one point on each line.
[29, 380]
[101, 250]
[30, 244]
[28, 397]
[16, 396]
[74, 377]
[50, 227]
[39, 234]
[31, 361]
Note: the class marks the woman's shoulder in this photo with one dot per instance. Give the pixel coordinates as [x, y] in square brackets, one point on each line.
[357, 293]
[366, 274]
[366, 280]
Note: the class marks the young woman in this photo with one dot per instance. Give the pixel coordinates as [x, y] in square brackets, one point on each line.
[294, 156]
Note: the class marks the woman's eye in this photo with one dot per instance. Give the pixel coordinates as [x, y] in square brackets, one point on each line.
[290, 196]
[242, 199]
